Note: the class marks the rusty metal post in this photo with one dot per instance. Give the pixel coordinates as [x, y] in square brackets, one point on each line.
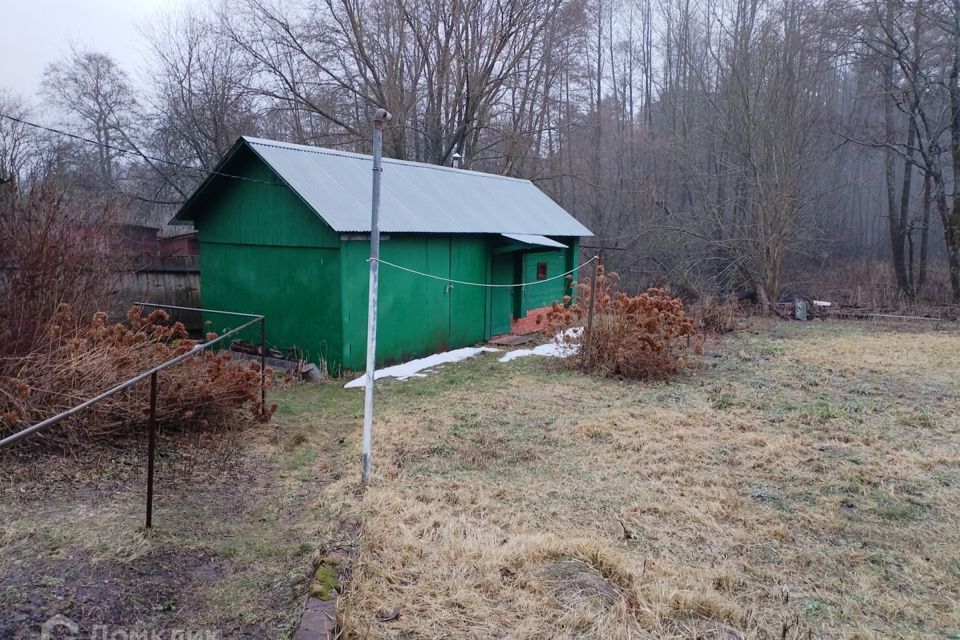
[593, 299]
[151, 447]
[263, 366]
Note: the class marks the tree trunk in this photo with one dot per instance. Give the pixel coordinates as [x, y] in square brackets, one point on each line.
[952, 230]
[924, 234]
[903, 217]
[894, 216]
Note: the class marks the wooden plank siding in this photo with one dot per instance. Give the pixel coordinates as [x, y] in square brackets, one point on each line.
[175, 281]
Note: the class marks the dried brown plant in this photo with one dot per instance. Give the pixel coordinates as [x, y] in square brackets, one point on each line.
[644, 336]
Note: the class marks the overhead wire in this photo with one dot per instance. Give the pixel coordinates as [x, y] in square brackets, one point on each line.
[134, 152]
[254, 180]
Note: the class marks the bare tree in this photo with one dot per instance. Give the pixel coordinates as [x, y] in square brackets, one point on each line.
[201, 98]
[16, 139]
[699, 136]
[917, 46]
[92, 91]
[442, 67]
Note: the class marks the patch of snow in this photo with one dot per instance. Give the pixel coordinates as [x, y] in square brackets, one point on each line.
[420, 367]
[822, 303]
[559, 347]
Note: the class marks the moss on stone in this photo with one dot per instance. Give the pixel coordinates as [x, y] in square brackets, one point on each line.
[324, 581]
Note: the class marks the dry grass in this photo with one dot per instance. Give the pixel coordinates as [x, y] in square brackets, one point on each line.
[806, 485]
[802, 482]
[716, 315]
[231, 551]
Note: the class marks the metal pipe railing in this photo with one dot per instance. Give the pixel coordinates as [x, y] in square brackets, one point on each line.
[173, 306]
[152, 374]
[263, 341]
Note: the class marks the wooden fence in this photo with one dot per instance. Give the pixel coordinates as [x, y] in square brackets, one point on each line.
[172, 281]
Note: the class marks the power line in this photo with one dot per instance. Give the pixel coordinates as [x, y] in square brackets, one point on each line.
[133, 152]
[105, 145]
[483, 284]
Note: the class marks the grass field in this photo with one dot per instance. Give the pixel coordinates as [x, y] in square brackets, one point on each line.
[803, 480]
[800, 483]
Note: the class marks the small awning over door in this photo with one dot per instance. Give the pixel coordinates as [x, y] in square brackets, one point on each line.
[541, 241]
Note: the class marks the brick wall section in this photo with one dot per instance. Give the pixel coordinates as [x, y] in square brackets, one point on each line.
[529, 324]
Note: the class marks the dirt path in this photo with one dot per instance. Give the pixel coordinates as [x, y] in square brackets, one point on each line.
[232, 549]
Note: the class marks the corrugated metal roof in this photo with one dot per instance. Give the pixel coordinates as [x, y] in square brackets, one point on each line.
[415, 197]
[527, 238]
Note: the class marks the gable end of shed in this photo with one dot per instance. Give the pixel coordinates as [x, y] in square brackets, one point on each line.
[244, 201]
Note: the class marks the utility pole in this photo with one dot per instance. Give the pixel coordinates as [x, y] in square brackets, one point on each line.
[380, 118]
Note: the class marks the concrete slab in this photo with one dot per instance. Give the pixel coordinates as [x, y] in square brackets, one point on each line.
[319, 621]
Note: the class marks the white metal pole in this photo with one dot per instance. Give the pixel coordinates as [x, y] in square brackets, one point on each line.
[379, 119]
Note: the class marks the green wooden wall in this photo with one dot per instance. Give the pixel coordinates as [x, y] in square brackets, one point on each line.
[262, 250]
[521, 266]
[503, 270]
[534, 296]
[296, 288]
[264, 213]
[415, 315]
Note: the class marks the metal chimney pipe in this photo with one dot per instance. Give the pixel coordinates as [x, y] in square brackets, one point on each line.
[456, 160]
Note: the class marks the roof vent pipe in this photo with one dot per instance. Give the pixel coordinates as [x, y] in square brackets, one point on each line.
[456, 160]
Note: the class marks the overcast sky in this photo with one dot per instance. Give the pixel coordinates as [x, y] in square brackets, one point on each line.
[34, 33]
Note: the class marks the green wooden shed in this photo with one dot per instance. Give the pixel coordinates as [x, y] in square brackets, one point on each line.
[284, 231]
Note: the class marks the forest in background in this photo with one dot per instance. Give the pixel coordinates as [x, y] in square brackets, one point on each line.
[758, 146]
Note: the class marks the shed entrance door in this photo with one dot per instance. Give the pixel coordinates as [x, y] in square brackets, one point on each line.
[468, 262]
[502, 299]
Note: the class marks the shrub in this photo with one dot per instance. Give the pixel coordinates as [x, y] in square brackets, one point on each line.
[716, 315]
[644, 336]
[72, 362]
[54, 249]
